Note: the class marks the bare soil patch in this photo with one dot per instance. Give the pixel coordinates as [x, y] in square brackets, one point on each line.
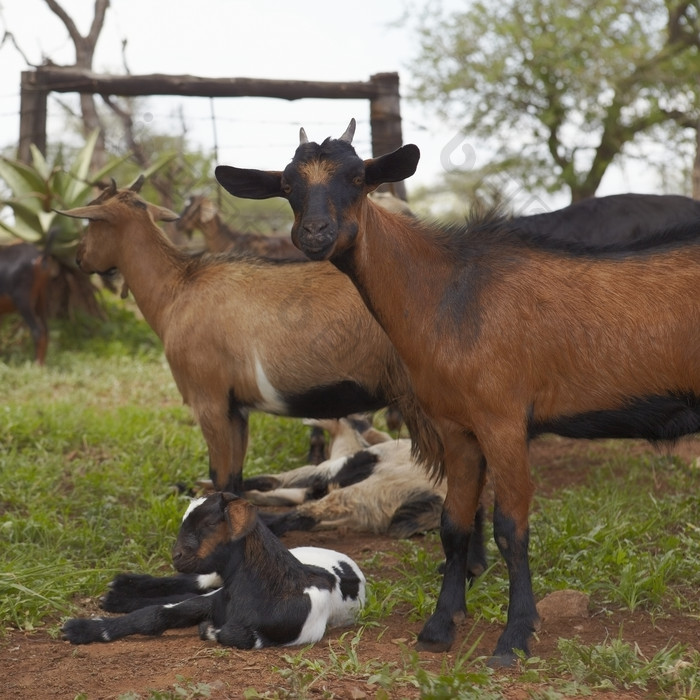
[37, 666]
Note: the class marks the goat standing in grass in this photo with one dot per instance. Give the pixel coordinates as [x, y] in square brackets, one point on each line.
[242, 333]
[268, 595]
[505, 336]
[25, 273]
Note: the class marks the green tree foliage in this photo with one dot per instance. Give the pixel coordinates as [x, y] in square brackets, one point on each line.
[559, 89]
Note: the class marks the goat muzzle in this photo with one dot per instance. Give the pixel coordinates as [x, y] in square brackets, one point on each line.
[316, 238]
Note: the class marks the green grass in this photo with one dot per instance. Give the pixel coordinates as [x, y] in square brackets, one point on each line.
[96, 449]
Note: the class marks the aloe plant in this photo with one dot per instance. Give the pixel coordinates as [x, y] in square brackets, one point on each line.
[32, 194]
[40, 187]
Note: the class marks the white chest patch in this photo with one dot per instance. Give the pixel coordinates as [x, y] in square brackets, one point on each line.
[271, 402]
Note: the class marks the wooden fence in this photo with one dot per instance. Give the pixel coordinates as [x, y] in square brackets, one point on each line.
[382, 91]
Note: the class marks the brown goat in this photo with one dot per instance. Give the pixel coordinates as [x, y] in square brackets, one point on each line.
[25, 273]
[201, 214]
[241, 333]
[504, 337]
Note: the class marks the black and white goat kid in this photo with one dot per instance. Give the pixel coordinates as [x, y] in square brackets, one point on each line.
[268, 595]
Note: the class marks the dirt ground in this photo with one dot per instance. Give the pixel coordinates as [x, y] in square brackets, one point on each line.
[36, 666]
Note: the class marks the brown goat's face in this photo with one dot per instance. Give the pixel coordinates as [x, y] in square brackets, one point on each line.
[112, 213]
[326, 185]
[96, 251]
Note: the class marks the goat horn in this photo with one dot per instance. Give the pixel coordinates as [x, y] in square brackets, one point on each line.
[349, 132]
[136, 187]
[303, 138]
[106, 193]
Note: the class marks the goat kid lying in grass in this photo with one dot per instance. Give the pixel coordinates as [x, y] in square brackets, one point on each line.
[267, 595]
[362, 487]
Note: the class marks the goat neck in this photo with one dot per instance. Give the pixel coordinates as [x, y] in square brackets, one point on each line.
[414, 278]
[152, 268]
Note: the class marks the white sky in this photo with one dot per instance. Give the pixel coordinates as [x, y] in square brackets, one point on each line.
[301, 40]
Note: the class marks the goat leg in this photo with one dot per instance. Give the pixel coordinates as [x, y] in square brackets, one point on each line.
[152, 621]
[129, 592]
[231, 634]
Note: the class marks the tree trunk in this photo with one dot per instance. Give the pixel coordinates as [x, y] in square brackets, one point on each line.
[696, 165]
[84, 53]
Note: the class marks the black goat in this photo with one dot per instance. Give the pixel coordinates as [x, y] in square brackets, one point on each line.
[269, 595]
[617, 219]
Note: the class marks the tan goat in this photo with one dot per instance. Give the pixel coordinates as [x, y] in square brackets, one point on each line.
[201, 214]
[241, 333]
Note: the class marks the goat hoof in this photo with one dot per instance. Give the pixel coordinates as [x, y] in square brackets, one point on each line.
[434, 647]
[502, 661]
[207, 631]
[438, 633]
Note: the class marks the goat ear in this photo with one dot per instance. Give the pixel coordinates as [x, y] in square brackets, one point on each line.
[92, 212]
[207, 211]
[241, 516]
[392, 167]
[249, 183]
[162, 214]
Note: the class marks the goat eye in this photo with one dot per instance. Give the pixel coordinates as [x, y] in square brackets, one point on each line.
[358, 180]
[286, 188]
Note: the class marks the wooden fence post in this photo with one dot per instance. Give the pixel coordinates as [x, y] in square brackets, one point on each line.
[385, 121]
[32, 119]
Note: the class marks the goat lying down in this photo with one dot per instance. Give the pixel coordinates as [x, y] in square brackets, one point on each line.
[267, 595]
[378, 488]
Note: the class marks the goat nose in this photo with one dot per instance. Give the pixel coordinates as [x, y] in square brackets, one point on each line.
[315, 227]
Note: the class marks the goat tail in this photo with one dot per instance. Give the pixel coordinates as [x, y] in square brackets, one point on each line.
[426, 444]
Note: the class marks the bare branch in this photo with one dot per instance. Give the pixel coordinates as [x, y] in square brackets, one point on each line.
[127, 121]
[9, 36]
[98, 21]
[84, 45]
[67, 21]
